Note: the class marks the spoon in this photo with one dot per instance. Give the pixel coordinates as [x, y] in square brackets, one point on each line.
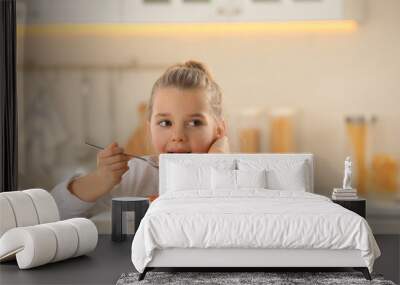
[152, 163]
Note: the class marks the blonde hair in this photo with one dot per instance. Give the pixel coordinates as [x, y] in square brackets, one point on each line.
[190, 75]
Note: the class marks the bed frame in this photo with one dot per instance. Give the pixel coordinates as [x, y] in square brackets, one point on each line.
[248, 259]
[261, 259]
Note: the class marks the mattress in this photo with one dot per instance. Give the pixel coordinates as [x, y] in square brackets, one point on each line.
[250, 219]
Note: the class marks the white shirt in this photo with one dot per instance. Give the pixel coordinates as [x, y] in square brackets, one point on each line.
[141, 180]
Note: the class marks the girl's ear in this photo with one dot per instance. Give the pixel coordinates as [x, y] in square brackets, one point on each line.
[221, 128]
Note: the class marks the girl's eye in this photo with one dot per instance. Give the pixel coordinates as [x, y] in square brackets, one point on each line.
[165, 123]
[195, 123]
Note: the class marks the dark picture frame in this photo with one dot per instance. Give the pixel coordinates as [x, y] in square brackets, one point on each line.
[8, 98]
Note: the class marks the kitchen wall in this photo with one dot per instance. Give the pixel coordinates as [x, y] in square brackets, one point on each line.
[323, 76]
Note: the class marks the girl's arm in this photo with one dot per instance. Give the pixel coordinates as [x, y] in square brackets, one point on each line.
[88, 188]
[76, 195]
[69, 205]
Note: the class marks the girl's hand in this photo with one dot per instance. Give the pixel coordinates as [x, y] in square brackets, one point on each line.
[112, 163]
[220, 145]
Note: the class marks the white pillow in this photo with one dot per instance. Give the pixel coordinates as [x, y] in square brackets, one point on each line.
[223, 179]
[291, 179]
[236, 179]
[251, 178]
[182, 177]
[282, 174]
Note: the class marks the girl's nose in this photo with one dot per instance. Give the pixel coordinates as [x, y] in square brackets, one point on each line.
[178, 135]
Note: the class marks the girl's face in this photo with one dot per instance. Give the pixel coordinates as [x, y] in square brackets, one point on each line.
[182, 122]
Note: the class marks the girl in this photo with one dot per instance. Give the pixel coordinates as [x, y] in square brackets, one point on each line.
[184, 116]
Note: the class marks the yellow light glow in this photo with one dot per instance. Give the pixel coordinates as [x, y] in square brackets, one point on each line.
[123, 30]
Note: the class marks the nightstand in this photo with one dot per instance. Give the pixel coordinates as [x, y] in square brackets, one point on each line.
[358, 206]
[126, 204]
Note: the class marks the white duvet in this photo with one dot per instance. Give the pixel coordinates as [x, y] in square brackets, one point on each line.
[250, 218]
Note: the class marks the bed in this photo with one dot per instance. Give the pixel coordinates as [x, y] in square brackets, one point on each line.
[247, 211]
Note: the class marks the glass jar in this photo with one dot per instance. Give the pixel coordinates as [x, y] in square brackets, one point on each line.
[249, 131]
[282, 131]
[376, 165]
[384, 167]
[356, 130]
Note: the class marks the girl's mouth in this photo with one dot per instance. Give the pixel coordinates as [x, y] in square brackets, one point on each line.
[179, 152]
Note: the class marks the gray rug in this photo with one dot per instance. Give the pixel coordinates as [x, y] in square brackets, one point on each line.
[225, 278]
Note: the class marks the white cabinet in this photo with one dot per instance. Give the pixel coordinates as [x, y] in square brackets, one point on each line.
[289, 10]
[174, 11]
[239, 10]
[302, 10]
[72, 11]
[189, 11]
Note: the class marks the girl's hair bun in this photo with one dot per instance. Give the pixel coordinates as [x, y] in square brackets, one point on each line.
[198, 65]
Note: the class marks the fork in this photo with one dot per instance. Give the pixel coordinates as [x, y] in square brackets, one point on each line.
[150, 162]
